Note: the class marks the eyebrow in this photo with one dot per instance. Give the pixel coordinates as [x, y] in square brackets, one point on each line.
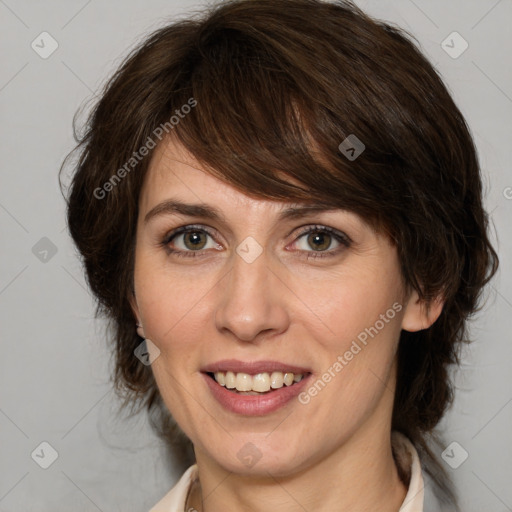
[175, 207]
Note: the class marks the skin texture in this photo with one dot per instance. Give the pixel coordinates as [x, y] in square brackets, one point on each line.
[282, 306]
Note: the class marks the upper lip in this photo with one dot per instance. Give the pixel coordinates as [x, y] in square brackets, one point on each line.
[252, 367]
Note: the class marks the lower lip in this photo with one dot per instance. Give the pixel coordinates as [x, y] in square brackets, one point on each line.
[255, 405]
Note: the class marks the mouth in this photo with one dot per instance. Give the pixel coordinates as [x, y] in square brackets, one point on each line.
[258, 384]
[255, 388]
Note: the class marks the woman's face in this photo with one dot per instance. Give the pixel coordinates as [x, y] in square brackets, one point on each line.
[317, 294]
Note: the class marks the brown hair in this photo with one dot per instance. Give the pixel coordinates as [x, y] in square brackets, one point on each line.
[277, 86]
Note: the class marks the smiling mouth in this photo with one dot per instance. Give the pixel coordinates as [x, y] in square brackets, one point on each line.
[259, 384]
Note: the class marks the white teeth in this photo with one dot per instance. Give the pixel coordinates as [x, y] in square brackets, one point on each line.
[243, 382]
[220, 378]
[261, 382]
[230, 380]
[277, 380]
[288, 379]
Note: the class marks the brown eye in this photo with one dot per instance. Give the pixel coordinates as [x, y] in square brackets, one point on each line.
[319, 241]
[190, 241]
[195, 240]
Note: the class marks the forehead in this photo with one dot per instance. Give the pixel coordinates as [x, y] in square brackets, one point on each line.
[174, 171]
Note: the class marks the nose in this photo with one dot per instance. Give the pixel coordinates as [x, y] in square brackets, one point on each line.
[251, 303]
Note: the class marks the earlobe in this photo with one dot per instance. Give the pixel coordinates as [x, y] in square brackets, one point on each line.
[420, 315]
[140, 330]
[135, 309]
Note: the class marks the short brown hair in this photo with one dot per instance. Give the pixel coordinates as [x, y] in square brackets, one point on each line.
[278, 85]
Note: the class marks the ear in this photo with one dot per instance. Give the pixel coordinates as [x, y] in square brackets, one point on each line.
[419, 314]
[135, 308]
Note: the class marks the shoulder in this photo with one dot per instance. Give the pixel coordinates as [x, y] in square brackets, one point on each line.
[175, 499]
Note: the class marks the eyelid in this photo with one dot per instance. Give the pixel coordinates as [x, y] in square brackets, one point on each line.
[344, 241]
[327, 229]
[185, 229]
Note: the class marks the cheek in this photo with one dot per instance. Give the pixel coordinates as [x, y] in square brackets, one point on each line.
[357, 379]
[171, 305]
[343, 306]
[357, 320]
[173, 317]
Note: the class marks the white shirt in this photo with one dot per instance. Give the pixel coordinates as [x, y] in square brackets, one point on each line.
[419, 498]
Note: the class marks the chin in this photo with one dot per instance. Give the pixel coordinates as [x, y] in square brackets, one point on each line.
[248, 457]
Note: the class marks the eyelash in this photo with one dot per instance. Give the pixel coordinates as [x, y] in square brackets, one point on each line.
[343, 239]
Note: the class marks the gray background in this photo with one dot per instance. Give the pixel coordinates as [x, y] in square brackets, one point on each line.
[54, 369]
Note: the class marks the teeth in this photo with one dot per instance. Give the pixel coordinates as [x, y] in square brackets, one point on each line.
[220, 378]
[261, 382]
[276, 380]
[243, 382]
[230, 380]
[288, 379]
